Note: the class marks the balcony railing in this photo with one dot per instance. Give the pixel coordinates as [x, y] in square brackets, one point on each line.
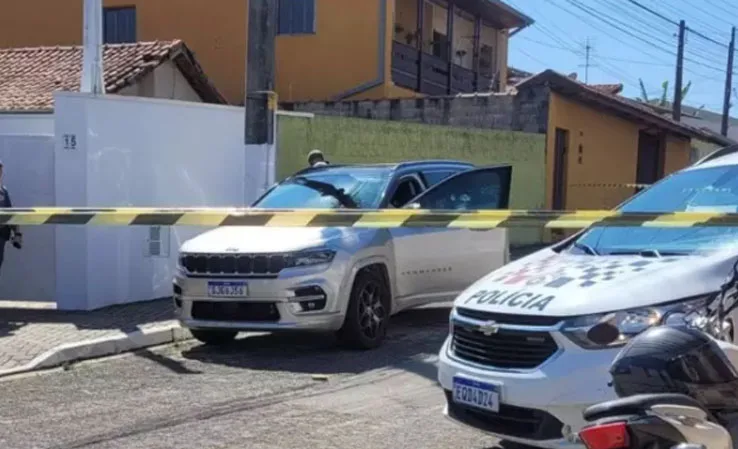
[435, 73]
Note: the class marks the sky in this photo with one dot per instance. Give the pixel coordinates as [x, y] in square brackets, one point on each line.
[628, 43]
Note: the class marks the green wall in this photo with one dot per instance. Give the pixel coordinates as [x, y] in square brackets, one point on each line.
[352, 140]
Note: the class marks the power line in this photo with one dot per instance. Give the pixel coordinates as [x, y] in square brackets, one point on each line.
[663, 17]
[608, 58]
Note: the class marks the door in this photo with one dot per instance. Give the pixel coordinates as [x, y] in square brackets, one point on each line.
[447, 260]
[650, 162]
[561, 167]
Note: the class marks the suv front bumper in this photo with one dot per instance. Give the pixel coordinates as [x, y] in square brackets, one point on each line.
[271, 304]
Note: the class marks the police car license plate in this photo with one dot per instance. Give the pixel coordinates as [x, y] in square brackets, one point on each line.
[476, 394]
[227, 289]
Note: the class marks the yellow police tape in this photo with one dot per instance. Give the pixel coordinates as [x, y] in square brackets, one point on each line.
[358, 218]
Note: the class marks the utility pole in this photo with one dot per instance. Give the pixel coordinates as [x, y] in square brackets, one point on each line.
[677, 107]
[728, 84]
[260, 99]
[586, 62]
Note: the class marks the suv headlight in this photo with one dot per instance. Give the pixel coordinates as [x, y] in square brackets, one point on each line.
[310, 257]
[629, 322]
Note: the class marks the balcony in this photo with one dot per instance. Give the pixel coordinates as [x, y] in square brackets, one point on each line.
[437, 76]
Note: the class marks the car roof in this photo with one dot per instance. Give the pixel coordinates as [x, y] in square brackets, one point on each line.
[392, 166]
[723, 156]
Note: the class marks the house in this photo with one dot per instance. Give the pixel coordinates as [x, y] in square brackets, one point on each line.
[325, 49]
[162, 69]
[597, 141]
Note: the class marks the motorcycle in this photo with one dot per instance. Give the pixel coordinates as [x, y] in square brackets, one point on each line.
[677, 383]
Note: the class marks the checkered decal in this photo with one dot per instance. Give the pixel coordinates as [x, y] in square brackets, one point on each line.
[556, 271]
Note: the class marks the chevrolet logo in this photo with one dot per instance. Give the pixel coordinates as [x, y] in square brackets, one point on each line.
[489, 328]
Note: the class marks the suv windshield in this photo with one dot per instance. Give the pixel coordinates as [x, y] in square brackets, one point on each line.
[699, 190]
[329, 188]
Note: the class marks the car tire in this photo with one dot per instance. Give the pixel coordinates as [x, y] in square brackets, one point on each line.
[214, 337]
[368, 313]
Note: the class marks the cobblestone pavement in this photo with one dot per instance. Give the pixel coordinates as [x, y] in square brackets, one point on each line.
[27, 333]
[261, 392]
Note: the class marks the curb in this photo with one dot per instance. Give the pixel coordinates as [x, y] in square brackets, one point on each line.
[102, 347]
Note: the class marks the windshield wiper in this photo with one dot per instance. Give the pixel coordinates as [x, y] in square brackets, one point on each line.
[329, 190]
[647, 253]
[586, 248]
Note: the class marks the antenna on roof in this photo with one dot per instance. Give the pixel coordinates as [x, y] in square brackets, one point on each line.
[92, 50]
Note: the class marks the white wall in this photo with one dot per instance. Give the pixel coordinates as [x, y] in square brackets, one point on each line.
[27, 124]
[146, 153]
[28, 274]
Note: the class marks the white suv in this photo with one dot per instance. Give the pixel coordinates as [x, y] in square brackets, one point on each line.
[349, 280]
[518, 363]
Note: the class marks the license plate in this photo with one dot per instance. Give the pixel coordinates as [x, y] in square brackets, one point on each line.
[476, 394]
[227, 289]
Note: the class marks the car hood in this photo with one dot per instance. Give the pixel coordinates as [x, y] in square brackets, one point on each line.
[258, 239]
[561, 284]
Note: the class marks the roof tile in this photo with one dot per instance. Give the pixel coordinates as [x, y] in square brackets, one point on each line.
[30, 76]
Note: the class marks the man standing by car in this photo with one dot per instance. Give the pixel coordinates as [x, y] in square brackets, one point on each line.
[316, 159]
[7, 232]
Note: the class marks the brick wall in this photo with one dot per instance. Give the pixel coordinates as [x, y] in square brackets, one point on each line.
[527, 111]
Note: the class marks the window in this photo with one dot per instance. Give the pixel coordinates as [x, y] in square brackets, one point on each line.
[296, 17]
[475, 189]
[331, 188]
[119, 25]
[433, 177]
[407, 189]
[713, 189]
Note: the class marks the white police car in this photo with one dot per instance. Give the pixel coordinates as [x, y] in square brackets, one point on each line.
[517, 362]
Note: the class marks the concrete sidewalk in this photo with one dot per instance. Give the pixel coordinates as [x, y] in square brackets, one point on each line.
[35, 336]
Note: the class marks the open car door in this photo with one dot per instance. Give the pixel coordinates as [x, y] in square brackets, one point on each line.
[442, 263]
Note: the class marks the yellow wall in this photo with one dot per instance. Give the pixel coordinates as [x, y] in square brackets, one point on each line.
[677, 154]
[609, 154]
[342, 55]
[216, 35]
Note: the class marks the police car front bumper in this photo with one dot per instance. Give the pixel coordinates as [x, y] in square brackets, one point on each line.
[552, 395]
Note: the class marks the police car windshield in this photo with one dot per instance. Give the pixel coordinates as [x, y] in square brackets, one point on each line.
[712, 189]
[330, 188]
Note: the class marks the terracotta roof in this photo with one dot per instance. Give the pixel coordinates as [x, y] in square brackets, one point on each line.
[612, 89]
[617, 104]
[30, 76]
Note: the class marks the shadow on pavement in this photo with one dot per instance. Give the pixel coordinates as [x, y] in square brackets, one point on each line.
[126, 318]
[413, 336]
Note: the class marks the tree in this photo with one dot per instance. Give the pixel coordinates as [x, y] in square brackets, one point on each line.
[664, 100]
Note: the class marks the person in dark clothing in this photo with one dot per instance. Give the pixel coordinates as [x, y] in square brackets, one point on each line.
[7, 232]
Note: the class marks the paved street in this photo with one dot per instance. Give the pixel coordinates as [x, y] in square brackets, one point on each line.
[262, 392]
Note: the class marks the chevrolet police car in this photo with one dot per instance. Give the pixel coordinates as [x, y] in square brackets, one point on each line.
[349, 280]
[517, 362]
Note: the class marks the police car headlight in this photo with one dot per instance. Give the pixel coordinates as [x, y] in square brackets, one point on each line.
[629, 322]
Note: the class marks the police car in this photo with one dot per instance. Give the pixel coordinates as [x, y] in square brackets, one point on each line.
[348, 280]
[517, 362]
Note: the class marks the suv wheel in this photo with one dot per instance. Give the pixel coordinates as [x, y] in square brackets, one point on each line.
[368, 313]
[214, 337]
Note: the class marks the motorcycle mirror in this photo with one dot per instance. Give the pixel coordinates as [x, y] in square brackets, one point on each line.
[603, 333]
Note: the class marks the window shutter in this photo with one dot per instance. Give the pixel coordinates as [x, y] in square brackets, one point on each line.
[285, 9]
